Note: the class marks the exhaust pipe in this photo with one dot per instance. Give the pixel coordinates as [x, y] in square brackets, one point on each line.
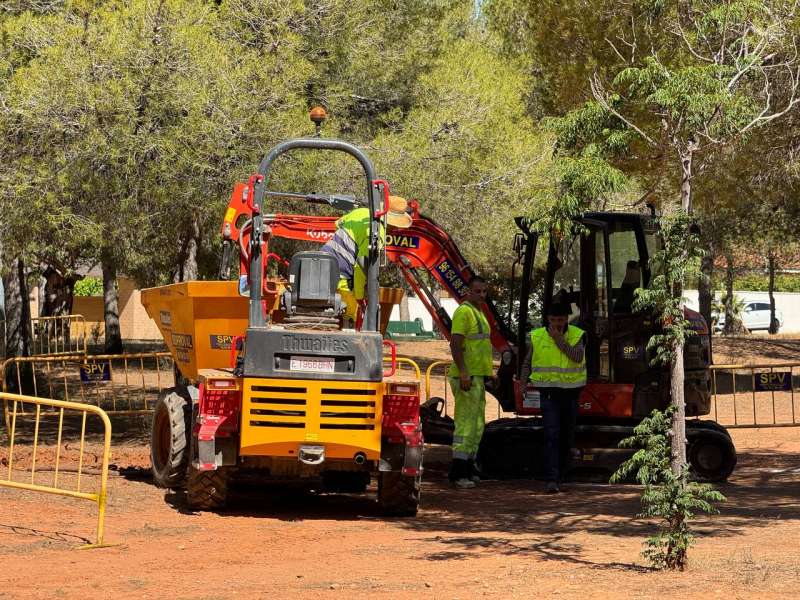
[360, 458]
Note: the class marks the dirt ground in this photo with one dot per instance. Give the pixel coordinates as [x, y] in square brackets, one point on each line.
[505, 539]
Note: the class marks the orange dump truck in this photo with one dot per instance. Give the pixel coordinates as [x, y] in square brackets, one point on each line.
[276, 379]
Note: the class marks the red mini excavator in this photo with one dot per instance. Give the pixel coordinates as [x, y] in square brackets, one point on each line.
[595, 272]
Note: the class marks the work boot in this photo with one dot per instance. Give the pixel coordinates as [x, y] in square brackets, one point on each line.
[464, 483]
[551, 488]
[472, 470]
[458, 470]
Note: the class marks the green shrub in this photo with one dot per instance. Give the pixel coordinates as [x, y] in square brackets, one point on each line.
[759, 282]
[89, 286]
[671, 499]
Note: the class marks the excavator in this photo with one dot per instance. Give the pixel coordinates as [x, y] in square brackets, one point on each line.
[595, 271]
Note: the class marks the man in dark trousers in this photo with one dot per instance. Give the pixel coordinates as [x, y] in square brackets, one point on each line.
[556, 367]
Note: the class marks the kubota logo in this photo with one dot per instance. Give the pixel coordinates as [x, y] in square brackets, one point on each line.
[315, 234]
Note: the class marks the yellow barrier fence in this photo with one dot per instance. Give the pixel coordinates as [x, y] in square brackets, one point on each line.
[21, 472]
[64, 334]
[400, 373]
[446, 364]
[429, 372]
[756, 395]
[118, 383]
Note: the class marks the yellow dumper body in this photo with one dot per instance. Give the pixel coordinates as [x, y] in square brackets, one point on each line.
[199, 320]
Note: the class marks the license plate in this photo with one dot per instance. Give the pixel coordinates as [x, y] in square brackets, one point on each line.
[311, 364]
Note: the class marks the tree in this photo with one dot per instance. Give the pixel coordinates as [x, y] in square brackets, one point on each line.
[715, 81]
[468, 151]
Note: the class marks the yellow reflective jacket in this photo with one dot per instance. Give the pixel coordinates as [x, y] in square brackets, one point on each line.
[550, 367]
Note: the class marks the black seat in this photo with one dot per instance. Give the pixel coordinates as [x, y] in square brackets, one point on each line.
[313, 279]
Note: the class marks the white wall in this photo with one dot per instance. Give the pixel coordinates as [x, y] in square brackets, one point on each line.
[788, 304]
[417, 310]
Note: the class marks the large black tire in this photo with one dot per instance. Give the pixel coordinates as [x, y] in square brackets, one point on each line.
[398, 494]
[170, 439]
[694, 424]
[711, 455]
[207, 490]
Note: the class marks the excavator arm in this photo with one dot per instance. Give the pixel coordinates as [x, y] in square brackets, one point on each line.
[422, 247]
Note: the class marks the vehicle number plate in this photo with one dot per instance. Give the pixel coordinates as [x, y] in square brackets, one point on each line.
[311, 364]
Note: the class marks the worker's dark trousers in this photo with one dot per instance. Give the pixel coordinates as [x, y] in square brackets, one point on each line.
[559, 412]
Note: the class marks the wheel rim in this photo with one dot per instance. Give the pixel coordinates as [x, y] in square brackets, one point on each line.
[709, 458]
[164, 436]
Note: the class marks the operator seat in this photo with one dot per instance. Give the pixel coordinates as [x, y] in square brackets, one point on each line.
[313, 280]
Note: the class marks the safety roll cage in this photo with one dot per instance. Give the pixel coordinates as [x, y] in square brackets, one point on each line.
[256, 315]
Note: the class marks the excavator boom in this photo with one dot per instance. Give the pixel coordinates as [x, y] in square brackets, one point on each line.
[424, 246]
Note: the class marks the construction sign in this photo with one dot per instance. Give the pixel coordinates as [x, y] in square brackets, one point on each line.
[776, 381]
[95, 372]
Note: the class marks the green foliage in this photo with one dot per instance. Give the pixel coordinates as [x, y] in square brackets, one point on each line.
[89, 286]
[467, 150]
[676, 261]
[671, 499]
[756, 282]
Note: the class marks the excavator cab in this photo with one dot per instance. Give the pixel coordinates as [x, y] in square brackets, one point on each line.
[596, 270]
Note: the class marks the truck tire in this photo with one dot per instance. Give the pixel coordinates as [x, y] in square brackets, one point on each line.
[398, 494]
[711, 455]
[695, 424]
[207, 490]
[170, 439]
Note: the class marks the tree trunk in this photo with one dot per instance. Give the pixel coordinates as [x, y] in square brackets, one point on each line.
[113, 334]
[59, 292]
[773, 324]
[18, 319]
[730, 326]
[187, 266]
[405, 314]
[18, 310]
[705, 290]
[677, 393]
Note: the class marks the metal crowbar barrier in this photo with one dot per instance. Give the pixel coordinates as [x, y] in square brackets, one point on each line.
[56, 485]
[755, 395]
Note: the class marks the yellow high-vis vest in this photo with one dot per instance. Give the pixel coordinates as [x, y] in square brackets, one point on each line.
[470, 322]
[356, 223]
[550, 367]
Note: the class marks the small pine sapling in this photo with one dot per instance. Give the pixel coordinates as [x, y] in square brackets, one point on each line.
[668, 494]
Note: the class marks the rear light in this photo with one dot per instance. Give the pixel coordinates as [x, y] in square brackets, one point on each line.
[401, 413]
[222, 384]
[220, 407]
[403, 389]
[399, 409]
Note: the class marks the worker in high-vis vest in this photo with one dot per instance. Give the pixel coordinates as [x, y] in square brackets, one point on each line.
[556, 367]
[472, 365]
[350, 247]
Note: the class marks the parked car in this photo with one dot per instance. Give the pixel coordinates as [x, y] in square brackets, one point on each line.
[755, 315]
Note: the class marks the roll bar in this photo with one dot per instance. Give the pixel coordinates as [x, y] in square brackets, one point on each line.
[259, 192]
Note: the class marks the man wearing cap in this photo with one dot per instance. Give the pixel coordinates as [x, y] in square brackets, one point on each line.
[556, 366]
[350, 247]
[472, 364]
